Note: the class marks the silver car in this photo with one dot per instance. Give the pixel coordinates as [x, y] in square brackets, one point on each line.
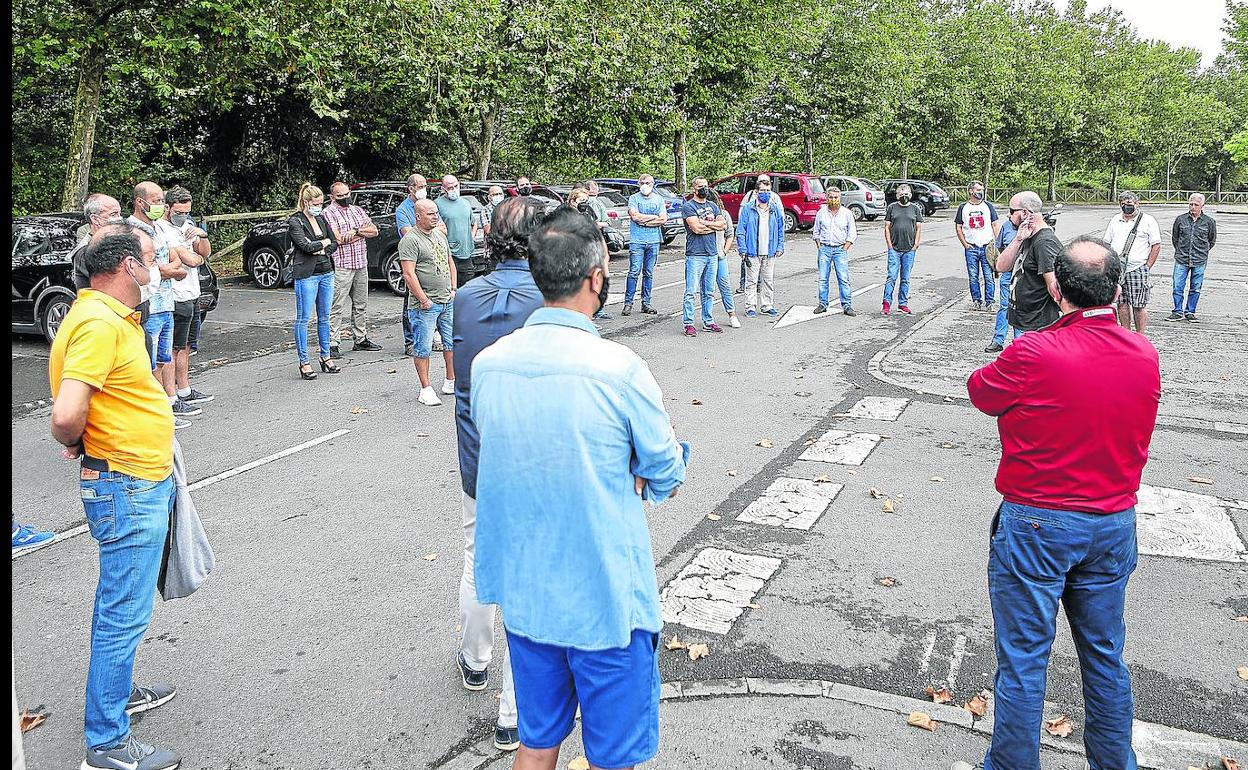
[861, 196]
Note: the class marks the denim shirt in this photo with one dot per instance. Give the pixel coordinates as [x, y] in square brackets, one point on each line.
[486, 309]
[566, 420]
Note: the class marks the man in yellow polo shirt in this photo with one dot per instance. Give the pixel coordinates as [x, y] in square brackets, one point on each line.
[110, 412]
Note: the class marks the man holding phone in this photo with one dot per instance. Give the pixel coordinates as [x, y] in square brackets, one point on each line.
[1032, 255]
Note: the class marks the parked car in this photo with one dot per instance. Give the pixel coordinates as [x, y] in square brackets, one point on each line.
[265, 249]
[801, 195]
[863, 199]
[665, 189]
[42, 278]
[929, 194]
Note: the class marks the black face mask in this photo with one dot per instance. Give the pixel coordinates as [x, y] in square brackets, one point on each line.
[525, 189]
[583, 206]
[602, 293]
[702, 192]
[1128, 209]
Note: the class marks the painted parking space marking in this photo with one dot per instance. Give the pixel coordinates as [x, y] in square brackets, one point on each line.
[878, 408]
[791, 503]
[713, 590]
[1186, 525]
[797, 314]
[842, 447]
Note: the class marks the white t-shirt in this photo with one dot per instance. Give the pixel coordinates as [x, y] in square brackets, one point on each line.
[187, 288]
[1148, 235]
[976, 220]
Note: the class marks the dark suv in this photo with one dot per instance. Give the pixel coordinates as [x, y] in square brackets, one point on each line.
[927, 194]
[42, 278]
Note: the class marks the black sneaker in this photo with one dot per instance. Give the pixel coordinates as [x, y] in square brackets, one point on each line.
[473, 680]
[183, 409]
[131, 755]
[821, 309]
[995, 347]
[366, 344]
[148, 698]
[1175, 316]
[649, 310]
[335, 351]
[849, 311]
[506, 738]
[198, 397]
[1191, 318]
[628, 310]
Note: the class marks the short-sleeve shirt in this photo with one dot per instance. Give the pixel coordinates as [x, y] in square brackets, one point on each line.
[700, 245]
[651, 205]
[405, 215]
[457, 216]
[186, 288]
[976, 220]
[162, 295]
[1147, 236]
[431, 253]
[130, 420]
[1031, 306]
[903, 224]
[344, 219]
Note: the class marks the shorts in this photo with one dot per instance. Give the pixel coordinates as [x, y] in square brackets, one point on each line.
[160, 327]
[184, 331]
[617, 690]
[1136, 287]
[423, 323]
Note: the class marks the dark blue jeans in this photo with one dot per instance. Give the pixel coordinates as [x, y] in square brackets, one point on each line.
[977, 264]
[1182, 274]
[1040, 557]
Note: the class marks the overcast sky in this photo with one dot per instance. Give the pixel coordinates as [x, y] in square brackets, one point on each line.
[1187, 23]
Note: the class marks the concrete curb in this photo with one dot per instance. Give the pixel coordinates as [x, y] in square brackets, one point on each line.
[1158, 747]
[876, 365]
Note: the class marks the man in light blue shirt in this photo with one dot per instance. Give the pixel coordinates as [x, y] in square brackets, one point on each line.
[834, 235]
[456, 214]
[647, 212]
[573, 436]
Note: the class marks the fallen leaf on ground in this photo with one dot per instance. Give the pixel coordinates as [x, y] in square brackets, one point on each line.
[939, 694]
[852, 473]
[732, 473]
[946, 445]
[810, 442]
[713, 516]
[888, 506]
[392, 371]
[937, 478]
[699, 651]
[802, 393]
[1199, 480]
[765, 443]
[754, 606]
[431, 556]
[887, 581]
[798, 376]
[824, 479]
[1060, 726]
[1243, 672]
[674, 643]
[358, 410]
[1241, 619]
[696, 402]
[919, 719]
[580, 763]
[875, 493]
[979, 704]
[422, 435]
[31, 721]
[1230, 763]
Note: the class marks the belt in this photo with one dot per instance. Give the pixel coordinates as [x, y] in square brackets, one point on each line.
[834, 245]
[94, 463]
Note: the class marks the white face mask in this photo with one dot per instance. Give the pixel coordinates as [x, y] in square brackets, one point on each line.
[145, 289]
[496, 199]
[452, 194]
[421, 194]
[315, 210]
[647, 188]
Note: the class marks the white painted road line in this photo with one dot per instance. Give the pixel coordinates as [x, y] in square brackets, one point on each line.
[841, 447]
[1186, 525]
[797, 314]
[878, 408]
[929, 647]
[81, 528]
[713, 590]
[791, 503]
[955, 661]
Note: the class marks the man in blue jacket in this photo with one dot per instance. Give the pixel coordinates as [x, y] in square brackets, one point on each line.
[760, 241]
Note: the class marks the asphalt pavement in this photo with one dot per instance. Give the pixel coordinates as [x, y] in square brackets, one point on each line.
[327, 635]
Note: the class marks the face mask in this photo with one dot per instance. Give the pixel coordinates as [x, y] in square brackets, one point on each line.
[583, 206]
[602, 293]
[702, 192]
[764, 196]
[452, 195]
[344, 202]
[315, 211]
[145, 289]
[976, 195]
[834, 204]
[421, 194]
[1128, 208]
[646, 189]
[903, 199]
[154, 210]
[496, 199]
[525, 189]
[178, 220]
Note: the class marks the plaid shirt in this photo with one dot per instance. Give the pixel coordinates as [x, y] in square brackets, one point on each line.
[353, 255]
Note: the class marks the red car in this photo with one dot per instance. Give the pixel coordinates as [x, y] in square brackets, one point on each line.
[801, 194]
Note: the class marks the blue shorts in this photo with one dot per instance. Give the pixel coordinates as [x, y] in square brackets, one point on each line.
[423, 323]
[160, 327]
[618, 692]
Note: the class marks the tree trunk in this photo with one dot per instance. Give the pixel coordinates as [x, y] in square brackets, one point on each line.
[678, 155]
[1217, 189]
[1169, 166]
[1052, 176]
[987, 171]
[82, 129]
[808, 156]
[905, 168]
[485, 147]
[1113, 184]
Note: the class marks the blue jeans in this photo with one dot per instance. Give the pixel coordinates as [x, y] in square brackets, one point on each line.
[423, 322]
[977, 263]
[700, 272]
[834, 258]
[1002, 327]
[1039, 557]
[129, 518]
[1182, 274]
[899, 262]
[315, 292]
[721, 281]
[642, 258]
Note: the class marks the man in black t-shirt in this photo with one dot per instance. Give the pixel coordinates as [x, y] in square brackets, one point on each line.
[1032, 256]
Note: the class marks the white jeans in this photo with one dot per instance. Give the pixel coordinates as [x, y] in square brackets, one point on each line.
[476, 621]
[759, 283]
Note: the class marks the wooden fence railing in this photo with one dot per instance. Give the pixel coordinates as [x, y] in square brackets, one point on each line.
[1103, 195]
[213, 221]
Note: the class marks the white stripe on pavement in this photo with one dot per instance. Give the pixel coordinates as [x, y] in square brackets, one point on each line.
[791, 503]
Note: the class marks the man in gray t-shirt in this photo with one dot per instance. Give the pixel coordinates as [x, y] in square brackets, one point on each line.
[903, 230]
[429, 271]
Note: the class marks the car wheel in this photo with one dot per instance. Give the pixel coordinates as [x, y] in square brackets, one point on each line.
[394, 274]
[790, 221]
[858, 212]
[667, 239]
[53, 314]
[267, 269]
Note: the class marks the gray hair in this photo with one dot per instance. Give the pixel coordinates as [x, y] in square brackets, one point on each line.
[833, 189]
[96, 203]
[1127, 195]
[177, 194]
[1197, 198]
[904, 186]
[1029, 201]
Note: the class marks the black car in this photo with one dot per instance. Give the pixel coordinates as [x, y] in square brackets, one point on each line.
[265, 248]
[927, 194]
[42, 279]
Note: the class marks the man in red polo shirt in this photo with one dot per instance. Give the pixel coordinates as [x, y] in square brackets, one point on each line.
[1075, 405]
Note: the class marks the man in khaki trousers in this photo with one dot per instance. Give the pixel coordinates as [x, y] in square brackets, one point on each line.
[352, 227]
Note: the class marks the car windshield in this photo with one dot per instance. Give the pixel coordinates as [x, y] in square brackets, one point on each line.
[666, 192]
[613, 198]
[816, 187]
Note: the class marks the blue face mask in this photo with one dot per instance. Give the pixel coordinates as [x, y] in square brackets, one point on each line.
[764, 196]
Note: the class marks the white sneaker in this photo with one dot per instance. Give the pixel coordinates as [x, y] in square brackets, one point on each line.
[733, 322]
[428, 397]
[448, 387]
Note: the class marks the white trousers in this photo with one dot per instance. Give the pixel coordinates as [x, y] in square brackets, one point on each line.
[476, 621]
[759, 283]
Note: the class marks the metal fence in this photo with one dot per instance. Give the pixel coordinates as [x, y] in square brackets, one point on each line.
[1104, 195]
